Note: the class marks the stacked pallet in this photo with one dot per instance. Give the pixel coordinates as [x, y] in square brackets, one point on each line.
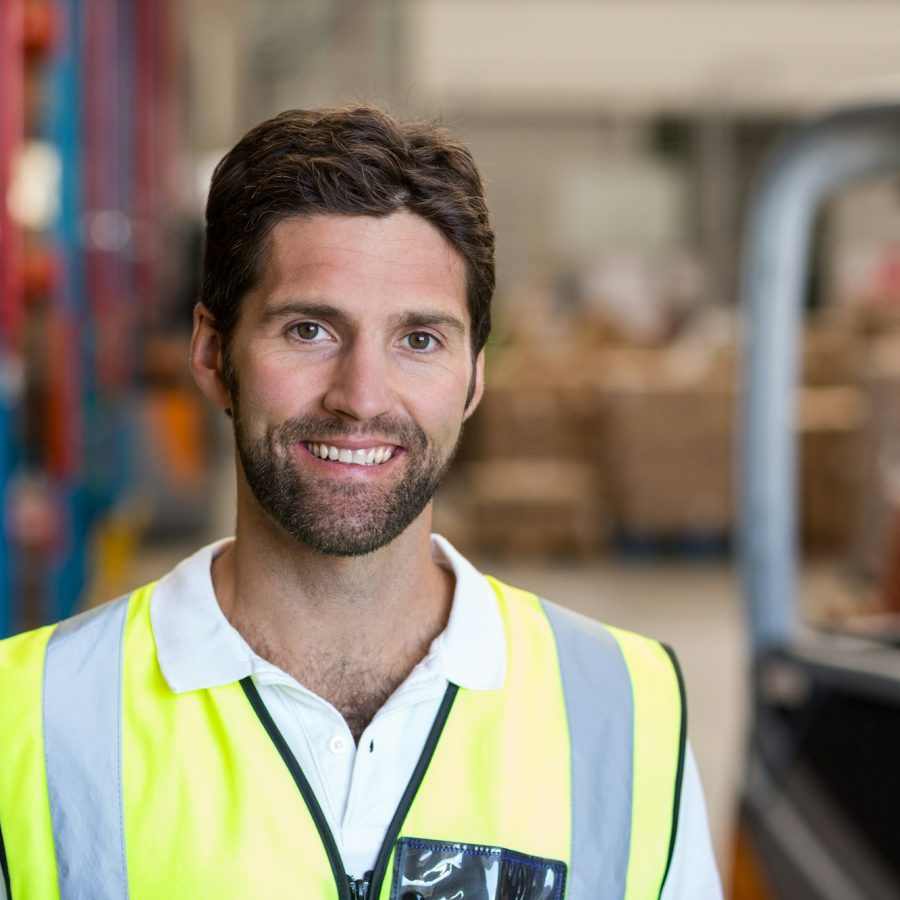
[529, 484]
[577, 445]
[581, 443]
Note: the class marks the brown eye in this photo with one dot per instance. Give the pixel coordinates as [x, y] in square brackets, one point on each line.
[420, 340]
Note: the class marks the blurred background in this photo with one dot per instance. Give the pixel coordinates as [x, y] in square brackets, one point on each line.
[620, 143]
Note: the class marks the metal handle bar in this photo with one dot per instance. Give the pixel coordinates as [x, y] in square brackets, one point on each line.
[812, 162]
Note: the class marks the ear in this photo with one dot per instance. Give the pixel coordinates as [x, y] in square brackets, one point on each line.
[477, 386]
[207, 358]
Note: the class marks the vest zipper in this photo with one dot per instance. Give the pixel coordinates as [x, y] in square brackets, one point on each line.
[359, 887]
[390, 837]
[348, 887]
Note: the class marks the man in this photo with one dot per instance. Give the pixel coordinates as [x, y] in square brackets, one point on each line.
[335, 703]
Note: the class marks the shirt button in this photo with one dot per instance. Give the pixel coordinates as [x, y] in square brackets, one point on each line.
[337, 744]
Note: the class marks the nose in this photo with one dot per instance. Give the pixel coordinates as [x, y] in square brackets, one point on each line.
[359, 386]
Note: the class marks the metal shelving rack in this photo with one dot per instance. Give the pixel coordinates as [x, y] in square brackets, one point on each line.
[66, 439]
[11, 127]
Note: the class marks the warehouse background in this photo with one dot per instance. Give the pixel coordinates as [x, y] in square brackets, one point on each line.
[620, 143]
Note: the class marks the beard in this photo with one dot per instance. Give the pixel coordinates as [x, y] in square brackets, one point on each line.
[330, 515]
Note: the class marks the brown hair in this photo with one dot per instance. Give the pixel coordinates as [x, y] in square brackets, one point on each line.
[346, 161]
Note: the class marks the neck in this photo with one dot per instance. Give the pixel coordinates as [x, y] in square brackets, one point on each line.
[348, 628]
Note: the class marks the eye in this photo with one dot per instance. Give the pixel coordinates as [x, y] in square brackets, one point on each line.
[308, 331]
[420, 340]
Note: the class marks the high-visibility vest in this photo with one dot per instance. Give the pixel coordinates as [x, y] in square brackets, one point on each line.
[564, 782]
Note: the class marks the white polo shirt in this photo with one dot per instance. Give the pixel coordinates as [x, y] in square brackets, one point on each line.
[359, 788]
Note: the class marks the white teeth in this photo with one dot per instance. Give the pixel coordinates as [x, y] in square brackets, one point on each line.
[363, 457]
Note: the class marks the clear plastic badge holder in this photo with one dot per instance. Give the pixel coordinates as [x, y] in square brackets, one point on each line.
[431, 870]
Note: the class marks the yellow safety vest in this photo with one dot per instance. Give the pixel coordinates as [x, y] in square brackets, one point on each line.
[564, 783]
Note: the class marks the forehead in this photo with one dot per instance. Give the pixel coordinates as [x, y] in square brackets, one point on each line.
[394, 260]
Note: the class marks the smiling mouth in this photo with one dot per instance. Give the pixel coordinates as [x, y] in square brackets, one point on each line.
[365, 456]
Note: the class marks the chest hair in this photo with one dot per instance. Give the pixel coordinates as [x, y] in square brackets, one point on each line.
[355, 688]
[357, 693]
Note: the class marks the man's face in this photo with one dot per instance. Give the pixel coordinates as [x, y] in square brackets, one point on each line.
[353, 374]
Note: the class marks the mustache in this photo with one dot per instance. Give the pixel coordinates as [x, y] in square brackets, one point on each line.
[392, 430]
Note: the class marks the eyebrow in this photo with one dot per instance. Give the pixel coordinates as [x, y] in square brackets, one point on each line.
[310, 308]
[433, 319]
[316, 310]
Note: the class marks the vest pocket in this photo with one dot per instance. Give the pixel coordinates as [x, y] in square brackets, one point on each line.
[436, 870]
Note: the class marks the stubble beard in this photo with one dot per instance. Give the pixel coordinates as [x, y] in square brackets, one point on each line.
[332, 516]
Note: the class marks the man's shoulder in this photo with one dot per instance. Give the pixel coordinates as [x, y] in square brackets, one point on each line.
[21, 673]
[566, 622]
[583, 642]
[21, 649]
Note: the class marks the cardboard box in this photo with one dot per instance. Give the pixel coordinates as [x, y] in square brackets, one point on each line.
[535, 509]
[879, 458]
[669, 460]
[830, 424]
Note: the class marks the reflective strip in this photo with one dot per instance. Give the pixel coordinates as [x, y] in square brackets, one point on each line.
[82, 713]
[658, 758]
[597, 690]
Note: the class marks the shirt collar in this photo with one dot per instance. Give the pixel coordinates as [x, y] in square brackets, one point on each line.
[197, 647]
[471, 650]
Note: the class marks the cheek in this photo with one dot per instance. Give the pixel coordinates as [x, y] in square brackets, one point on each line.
[443, 418]
[274, 391]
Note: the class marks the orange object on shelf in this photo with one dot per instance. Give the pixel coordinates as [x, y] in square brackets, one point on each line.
[176, 417]
[748, 878]
[41, 27]
[39, 272]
